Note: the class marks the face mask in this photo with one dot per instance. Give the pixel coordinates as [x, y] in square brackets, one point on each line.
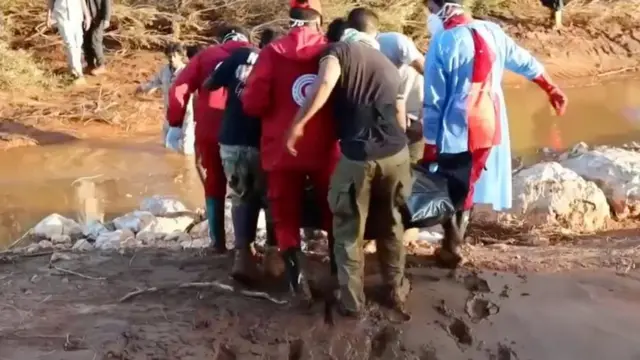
[434, 24]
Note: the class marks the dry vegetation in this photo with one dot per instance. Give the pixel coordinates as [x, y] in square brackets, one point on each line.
[27, 47]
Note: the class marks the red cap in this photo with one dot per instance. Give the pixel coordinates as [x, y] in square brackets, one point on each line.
[306, 4]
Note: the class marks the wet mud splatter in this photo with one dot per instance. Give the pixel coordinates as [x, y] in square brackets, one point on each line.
[479, 309]
[504, 352]
[384, 341]
[474, 283]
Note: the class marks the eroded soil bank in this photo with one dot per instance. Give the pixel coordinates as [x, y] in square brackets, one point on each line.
[70, 309]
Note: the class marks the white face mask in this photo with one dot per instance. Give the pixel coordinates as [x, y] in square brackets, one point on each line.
[434, 24]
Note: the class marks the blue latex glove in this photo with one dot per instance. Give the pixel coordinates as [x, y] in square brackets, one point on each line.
[174, 135]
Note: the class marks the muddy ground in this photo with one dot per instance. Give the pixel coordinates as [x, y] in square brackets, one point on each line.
[71, 309]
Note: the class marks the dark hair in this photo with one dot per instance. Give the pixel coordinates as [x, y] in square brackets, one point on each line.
[227, 30]
[174, 48]
[336, 29]
[192, 50]
[267, 36]
[363, 19]
[305, 14]
[441, 3]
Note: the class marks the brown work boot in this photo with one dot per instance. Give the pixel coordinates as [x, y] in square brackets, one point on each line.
[449, 259]
[98, 70]
[244, 266]
[272, 262]
[399, 295]
[449, 255]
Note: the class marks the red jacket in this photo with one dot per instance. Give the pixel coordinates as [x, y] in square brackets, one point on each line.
[209, 105]
[274, 91]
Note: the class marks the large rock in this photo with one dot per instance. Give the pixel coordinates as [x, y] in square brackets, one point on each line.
[617, 173]
[550, 194]
[114, 239]
[134, 221]
[162, 205]
[82, 245]
[148, 238]
[164, 225]
[92, 229]
[56, 225]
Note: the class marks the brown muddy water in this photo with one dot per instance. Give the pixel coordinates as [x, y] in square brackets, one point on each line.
[37, 181]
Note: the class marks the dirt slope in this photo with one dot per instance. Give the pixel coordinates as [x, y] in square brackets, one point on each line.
[601, 39]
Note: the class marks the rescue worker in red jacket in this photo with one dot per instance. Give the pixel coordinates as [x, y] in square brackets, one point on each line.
[274, 91]
[208, 109]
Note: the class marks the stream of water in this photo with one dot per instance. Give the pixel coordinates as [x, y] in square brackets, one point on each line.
[37, 181]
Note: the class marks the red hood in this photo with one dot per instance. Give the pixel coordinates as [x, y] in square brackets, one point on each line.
[303, 43]
[230, 46]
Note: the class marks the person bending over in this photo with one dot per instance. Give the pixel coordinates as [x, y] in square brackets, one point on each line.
[404, 54]
[373, 177]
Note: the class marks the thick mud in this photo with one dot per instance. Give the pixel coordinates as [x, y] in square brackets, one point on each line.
[72, 309]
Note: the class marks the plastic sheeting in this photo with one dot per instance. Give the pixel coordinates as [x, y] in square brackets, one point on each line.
[429, 203]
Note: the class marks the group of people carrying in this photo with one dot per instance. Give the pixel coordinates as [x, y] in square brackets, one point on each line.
[348, 112]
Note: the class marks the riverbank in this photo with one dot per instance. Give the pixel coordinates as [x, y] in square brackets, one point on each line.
[38, 108]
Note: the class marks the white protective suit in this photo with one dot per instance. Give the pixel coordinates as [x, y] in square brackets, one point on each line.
[178, 139]
[68, 18]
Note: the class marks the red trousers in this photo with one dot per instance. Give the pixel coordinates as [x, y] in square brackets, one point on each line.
[285, 189]
[478, 161]
[462, 170]
[215, 182]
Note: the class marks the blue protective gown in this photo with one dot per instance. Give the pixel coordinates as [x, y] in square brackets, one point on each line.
[448, 70]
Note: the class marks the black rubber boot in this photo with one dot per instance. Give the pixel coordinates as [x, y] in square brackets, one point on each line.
[298, 275]
[244, 216]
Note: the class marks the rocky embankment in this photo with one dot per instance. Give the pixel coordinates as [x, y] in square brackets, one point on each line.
[580, 190]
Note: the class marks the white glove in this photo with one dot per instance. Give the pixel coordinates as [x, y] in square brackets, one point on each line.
[174, 135]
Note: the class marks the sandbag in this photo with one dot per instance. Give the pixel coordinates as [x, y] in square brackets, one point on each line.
[430, 203]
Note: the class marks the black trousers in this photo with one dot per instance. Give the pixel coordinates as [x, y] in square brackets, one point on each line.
[92, 44]
[555, 5]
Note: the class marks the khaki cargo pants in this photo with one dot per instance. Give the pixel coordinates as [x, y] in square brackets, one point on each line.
[247, 182]
[373, 190]
[244, 174]
[416, 151]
